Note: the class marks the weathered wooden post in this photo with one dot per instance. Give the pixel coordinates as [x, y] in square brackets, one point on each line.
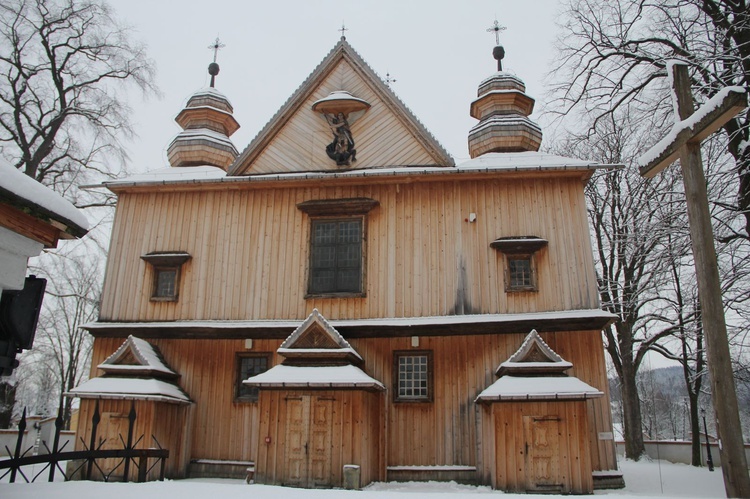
[686, 144]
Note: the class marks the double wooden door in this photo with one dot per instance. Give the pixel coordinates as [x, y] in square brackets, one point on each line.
[307, 453]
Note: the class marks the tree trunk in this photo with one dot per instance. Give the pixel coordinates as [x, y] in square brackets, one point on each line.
[634, 447]
[695, 428]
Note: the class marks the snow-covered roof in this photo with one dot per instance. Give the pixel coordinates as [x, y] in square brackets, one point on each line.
[149, 360]
[489, 163]
[130, 388]
[288, 347]
[20, 188]
[386, 322]
[538, 388]
[282, 376]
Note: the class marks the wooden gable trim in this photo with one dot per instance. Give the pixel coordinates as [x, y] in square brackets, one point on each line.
[341, 51]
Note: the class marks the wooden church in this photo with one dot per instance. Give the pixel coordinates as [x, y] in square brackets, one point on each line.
[340, 303]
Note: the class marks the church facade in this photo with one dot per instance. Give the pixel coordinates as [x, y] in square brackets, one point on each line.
[340, 303]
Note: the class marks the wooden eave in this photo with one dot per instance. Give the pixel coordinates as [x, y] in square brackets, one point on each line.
[519, 245]
[348, 206]
[342, 50]
[268, 330]
[355, 177]
[35, 222]
[166, 259]
[207, 113]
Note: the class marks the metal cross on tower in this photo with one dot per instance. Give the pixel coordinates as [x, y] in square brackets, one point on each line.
[388, 79]
[497, 29]
[343, 29]
[213, 68]
[217, 45]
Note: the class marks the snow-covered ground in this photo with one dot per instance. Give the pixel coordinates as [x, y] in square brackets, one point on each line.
[643, 479]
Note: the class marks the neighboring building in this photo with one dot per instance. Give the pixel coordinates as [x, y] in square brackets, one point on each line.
[32, 217]
[341, 295]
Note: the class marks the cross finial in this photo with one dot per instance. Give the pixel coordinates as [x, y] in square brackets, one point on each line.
[388, 79]
[213, 68]
[497, 29]
[216, 46]
[343, 30]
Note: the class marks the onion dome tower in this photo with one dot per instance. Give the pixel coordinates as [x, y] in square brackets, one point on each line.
[207, 123]
[503, 108]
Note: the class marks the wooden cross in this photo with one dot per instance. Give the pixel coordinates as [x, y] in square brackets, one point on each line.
[685, 143]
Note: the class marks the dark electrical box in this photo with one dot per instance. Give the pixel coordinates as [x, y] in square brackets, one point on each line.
[19, 314]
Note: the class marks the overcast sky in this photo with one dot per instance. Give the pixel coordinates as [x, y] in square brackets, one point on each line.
[437, 50]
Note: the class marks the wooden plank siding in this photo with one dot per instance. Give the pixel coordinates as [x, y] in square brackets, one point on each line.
[506, 460]
[380, 137]
[166, 422]
[443, 432]
[249, 247]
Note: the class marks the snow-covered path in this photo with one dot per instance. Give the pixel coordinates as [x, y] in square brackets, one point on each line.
[642, 480]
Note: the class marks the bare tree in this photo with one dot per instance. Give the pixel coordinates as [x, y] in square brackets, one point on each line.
[64, 67]
[614, 54]
[630, 228]
[72, 300]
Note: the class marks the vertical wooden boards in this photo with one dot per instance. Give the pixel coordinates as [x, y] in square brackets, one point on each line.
[250, 251]
[539, 447]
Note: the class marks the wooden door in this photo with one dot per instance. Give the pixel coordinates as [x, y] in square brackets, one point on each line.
[542, 446]
[113, 428]
[308, 441]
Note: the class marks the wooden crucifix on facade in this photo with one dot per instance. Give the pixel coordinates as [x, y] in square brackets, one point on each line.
[684, 143]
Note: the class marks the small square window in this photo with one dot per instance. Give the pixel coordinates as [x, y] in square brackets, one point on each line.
[519, 273]
[249, 365]
[166, 283]
[412, 376]
[166, 268]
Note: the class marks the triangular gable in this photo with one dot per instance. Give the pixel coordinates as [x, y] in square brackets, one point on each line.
[533, 357]
[296, 137]
[137, 357]
[315, 340]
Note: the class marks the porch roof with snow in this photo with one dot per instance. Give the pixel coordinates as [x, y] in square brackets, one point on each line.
[130, 389]
[318, 377]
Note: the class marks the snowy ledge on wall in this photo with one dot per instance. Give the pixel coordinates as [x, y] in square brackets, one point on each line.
[19, 187]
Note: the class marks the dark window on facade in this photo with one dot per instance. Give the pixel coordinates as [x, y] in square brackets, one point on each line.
[166, 269]
[249, 365]
[412, 376]
[520, 273]
[166, 283]
[336, 256]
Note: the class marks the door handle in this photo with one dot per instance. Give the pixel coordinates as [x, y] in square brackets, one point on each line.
[305, 448]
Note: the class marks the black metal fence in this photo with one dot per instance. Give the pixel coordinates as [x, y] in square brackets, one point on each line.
[86, 459]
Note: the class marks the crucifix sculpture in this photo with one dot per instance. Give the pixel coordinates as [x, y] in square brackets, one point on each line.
[685, 143]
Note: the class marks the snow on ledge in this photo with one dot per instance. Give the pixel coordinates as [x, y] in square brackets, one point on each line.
[538, 388]
[282, 376]
[374, 322]
[130, 388]
[27, 189]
